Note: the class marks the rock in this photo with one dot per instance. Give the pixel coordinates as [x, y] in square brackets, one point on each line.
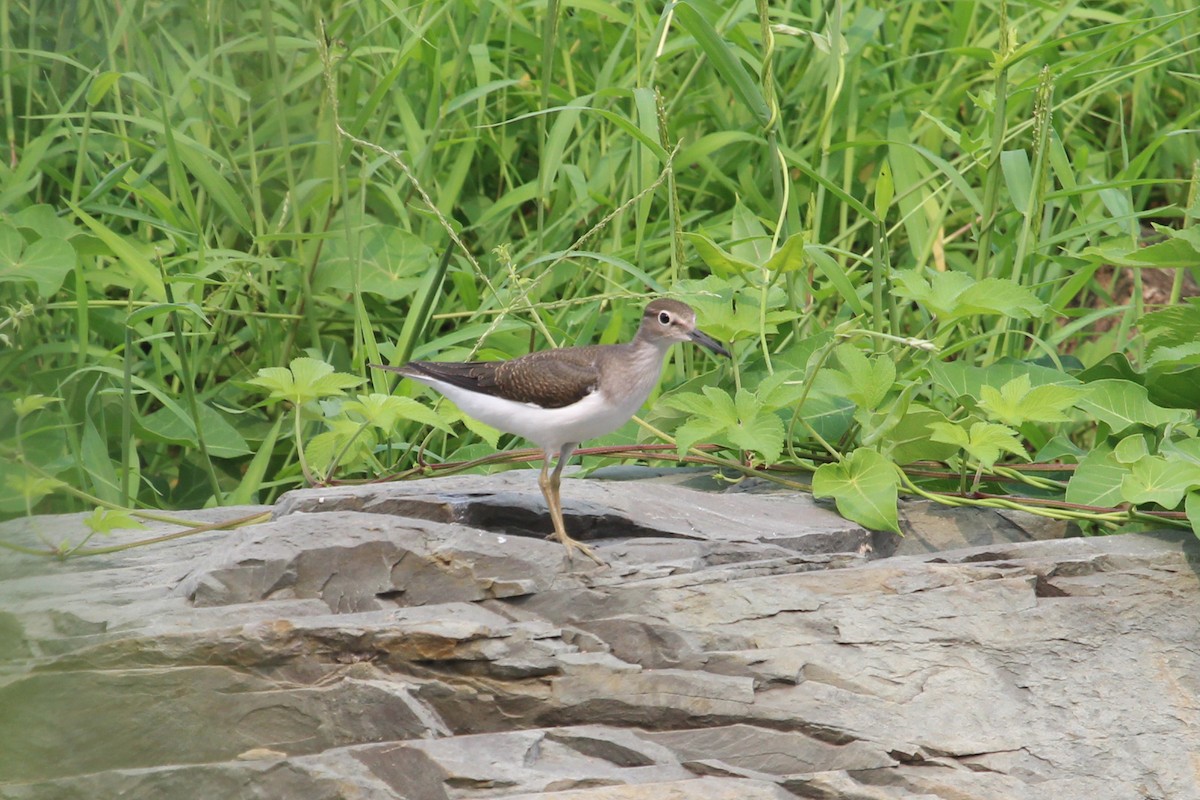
[423, 641]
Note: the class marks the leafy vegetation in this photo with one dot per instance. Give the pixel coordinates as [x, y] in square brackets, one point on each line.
[928, 229]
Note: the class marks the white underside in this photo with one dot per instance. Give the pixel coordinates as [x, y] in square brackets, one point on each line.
[548, 428]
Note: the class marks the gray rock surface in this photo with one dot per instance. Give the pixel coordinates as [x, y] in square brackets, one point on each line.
[424, 641]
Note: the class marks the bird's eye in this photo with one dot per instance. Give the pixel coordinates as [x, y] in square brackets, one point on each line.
[664, 318]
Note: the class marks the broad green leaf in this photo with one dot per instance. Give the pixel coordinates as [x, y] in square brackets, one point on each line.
[740, 421]
[937, 292]
[31, 487]
[1171, 254]
[730, 316]
[692, 403]
[372, 257]
[966, 380]
[911, 439]
[748, 239]
[1113, 365]
[1097, 480]
[46, 262]
[107, 520]
[1155, 479]
[1000, 296]
[983, 442]
[480, 429]
[951, 295]
[1131, 449]
[98, 468]
[1018, 402]
[864, 487]
[1182, 449]
[221, 439]
[307, 379]
[346, 441]
[696, 429]
[1059, 448]
[385, 411]
[783, 389]
[719, 261]
[43, 219]
[868, 379]
[790, 256]
[1172, 377]
[756, 429]
[1175, 325]
[1121, 404]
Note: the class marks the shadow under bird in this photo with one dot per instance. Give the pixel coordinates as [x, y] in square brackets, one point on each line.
[559, 398]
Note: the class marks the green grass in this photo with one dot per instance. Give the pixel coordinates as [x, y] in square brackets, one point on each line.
[192, 192]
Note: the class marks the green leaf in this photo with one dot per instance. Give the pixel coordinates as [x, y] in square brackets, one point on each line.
[1175, 325]
[885, 190]
[836, 275]
[221, 439]
[790, 256]
[741, 421]
[864, 486]
[24, 406]
[306, 380]
[107, 520]
[967, 380]
[1173, 376]
[951, 295]
[97, 465]
[756, 429]
[983, 442]
[715, 258]
[140, 268]
[31, 487]
[346, 440]
[1155, 479]
[1171, 254]
[1097, 480]
[214, 183]
[1131, 449]
[1000, 296]
[46, 262]
[385, 411]
[729, 67]
[911, 439]
[1121, 404]
[869, 379]
[1018, 402]
[372, 257]
[1018, 177]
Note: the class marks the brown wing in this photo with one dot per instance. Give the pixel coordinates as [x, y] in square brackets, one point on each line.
[550, 379]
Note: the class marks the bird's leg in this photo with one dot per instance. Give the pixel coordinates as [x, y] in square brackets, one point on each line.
[550, 484]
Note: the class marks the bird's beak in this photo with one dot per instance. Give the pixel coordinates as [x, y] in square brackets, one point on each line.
[708, 343]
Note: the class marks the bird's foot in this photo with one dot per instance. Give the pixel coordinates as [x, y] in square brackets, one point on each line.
[574, 544]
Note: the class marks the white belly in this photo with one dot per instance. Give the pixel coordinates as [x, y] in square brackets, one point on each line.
[548, 428]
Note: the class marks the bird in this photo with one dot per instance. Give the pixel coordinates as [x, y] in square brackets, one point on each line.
[559, 398]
